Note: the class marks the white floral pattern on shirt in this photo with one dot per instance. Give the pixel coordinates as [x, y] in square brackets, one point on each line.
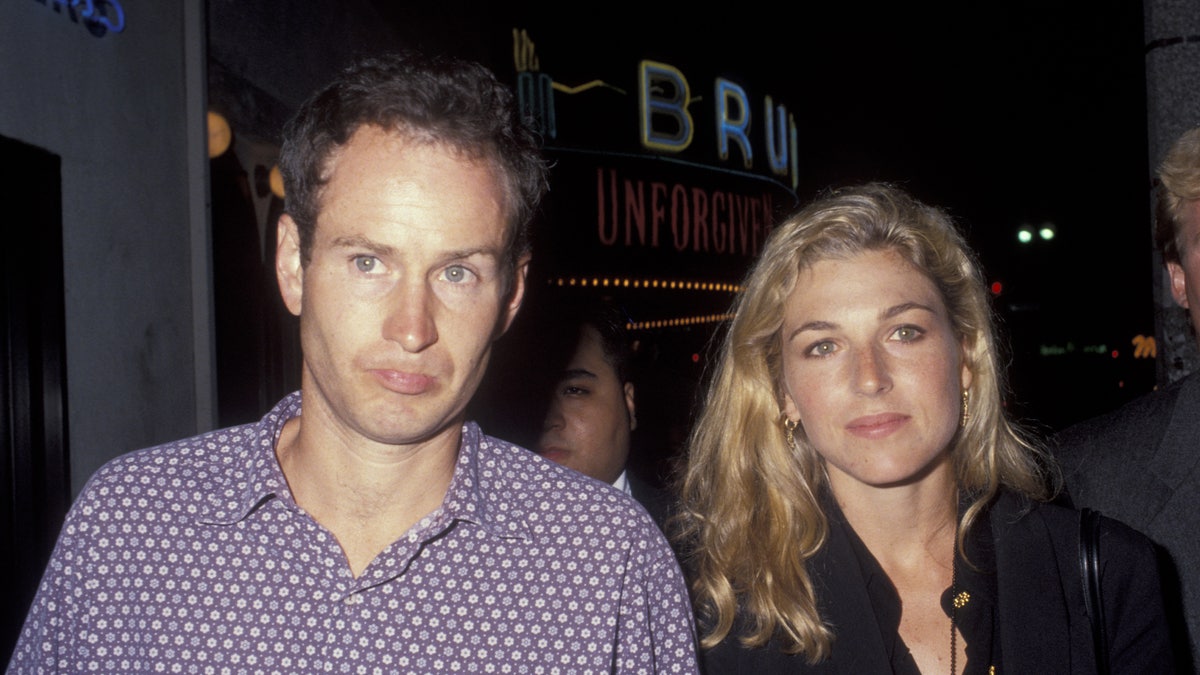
[192, 557]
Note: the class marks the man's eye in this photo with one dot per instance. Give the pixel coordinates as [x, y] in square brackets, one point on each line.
[457, 274]
[366, 263]
[571, 390]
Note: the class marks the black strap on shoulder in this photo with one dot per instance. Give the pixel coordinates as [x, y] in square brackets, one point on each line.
[1089, 571]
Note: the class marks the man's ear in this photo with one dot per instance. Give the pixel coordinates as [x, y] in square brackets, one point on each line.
[1178, 283]
[289, 270]
[630, 406]
[515, 296]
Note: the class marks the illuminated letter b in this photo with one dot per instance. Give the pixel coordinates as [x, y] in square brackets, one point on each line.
[663, 97]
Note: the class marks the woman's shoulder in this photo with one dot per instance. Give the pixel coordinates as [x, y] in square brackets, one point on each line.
[1040, 574]
[1062, 523]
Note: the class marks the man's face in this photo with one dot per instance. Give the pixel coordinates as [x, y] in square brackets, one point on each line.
[1185, 274]
[591, 414]
[405, 289]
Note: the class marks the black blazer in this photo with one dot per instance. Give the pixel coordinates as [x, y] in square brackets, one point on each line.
[656, 502]
[1044, 627]
[1141, 465]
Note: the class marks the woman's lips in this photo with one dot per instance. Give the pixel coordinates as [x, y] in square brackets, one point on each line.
[404, 383]
[876, 426]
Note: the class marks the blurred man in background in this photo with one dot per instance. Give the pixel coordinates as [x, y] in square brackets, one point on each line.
[592, 408]
[1141, 463]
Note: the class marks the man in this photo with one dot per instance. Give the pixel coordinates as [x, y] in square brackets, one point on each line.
[592, 407]
[363, 525]
[1139, 464]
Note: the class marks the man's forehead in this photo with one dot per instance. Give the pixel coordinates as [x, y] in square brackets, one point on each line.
[589, 355]
[405, 139]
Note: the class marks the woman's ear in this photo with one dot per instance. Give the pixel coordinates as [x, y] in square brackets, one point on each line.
[789, 407]
[967, 376]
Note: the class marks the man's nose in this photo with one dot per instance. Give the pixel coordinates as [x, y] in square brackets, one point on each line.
[554, 416]
[410, 320]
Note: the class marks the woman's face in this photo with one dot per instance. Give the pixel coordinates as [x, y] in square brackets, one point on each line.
[872, 369]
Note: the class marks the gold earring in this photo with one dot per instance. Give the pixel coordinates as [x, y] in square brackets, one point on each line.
[966, 411]
[789, 427]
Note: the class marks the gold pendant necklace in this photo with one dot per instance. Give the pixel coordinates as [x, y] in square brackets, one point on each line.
[954, 614]
[958, 600]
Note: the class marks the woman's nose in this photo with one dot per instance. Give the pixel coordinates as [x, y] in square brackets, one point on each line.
[871, 372]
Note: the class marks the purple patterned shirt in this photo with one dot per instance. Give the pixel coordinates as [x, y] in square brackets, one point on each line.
[192, 557]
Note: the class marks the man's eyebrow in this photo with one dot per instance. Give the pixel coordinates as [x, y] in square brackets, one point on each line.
[358, 241]
[465, 253]
[572, 373]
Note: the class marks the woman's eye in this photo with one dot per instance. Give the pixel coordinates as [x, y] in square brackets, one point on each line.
[823, 348]
[907, 333]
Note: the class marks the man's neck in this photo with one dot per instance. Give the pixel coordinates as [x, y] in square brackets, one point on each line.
[366, 494]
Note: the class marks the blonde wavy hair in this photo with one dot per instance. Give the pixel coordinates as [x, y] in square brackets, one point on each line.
[751, 514]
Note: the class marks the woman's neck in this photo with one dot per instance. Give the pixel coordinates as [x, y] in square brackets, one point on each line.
[905, 525]
[911, 531]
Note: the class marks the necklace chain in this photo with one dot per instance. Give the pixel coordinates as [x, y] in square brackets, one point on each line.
[954, 615]
[957, 599]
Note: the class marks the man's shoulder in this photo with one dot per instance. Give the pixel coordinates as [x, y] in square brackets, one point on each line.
[517, 479]
[1137, 425]
[520, 473]
[221, 455]
[173, 475]
[1127, 463]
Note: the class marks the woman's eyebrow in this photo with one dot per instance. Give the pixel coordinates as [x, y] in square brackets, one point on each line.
[904, 307]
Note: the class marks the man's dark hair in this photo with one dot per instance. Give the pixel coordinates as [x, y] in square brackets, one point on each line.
[562, 320]
[432, 99]
[609, 321]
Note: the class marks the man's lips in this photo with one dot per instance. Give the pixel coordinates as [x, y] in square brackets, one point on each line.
[402, 382]
[876, 426]
[552, 452]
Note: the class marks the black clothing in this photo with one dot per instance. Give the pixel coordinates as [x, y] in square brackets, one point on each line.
[1026, 613]
[1141, 465]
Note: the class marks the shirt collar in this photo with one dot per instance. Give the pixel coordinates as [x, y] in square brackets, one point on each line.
[622, 484]
[255, 475]
[473, 495]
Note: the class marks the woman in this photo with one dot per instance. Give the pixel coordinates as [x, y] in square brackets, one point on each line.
[855, 499]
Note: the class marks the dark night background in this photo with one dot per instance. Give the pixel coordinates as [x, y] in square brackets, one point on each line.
[1005, 114]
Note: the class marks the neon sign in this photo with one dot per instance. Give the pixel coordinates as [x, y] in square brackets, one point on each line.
[666, 123]
[665, 101]
[98, 16]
